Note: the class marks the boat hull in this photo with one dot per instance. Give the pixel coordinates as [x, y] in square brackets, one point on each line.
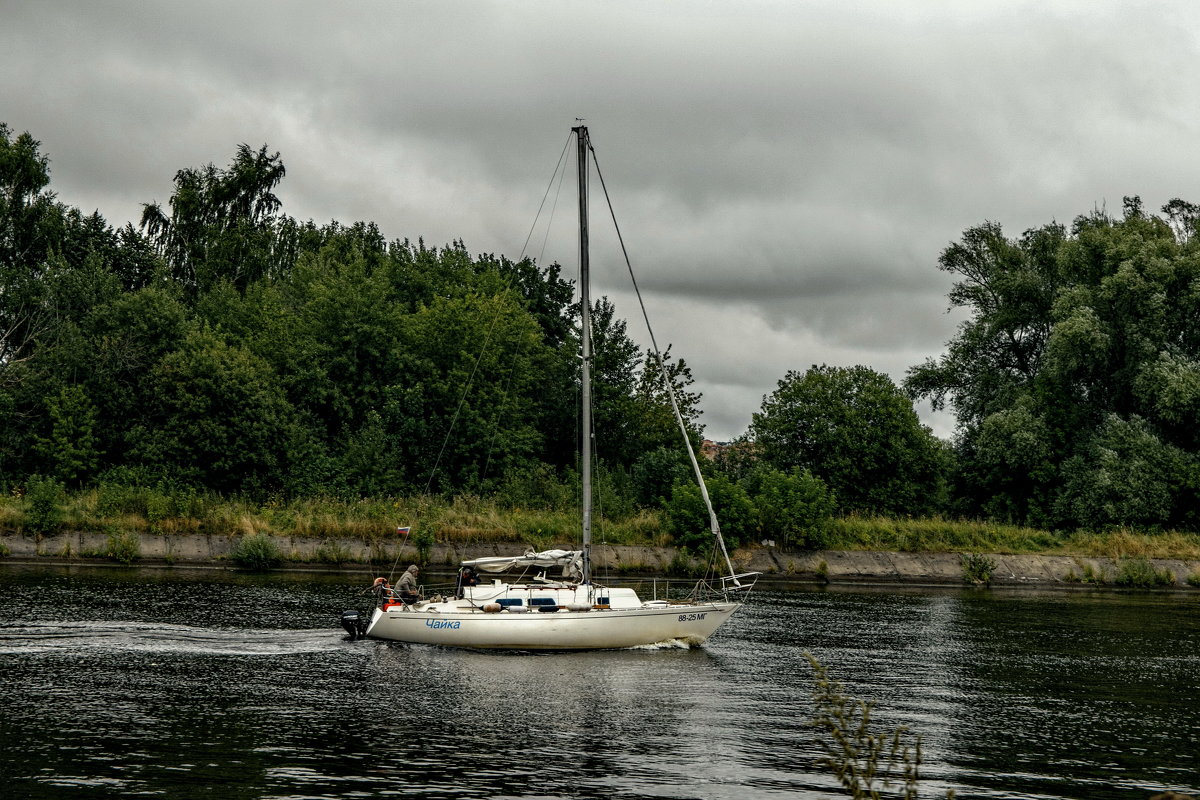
[597, 629]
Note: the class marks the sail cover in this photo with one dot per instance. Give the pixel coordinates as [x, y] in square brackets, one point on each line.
[569, 562]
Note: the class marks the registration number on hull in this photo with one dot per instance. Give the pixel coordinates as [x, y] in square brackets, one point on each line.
[692, 617]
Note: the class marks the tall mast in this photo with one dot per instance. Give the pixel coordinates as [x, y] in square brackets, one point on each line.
[585, 304]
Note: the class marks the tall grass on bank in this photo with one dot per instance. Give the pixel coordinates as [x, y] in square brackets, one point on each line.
[470, 520]
[462, 520]
[1123, 543]
[937, 535]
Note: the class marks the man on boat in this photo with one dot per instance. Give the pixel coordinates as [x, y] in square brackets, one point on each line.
[407, 585]
[466, 577]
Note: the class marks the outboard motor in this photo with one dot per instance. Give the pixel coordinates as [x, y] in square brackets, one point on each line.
[355, 624]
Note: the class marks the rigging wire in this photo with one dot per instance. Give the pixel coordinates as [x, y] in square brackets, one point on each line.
[712, 516]
[449, 430]
[484, 347]
[560, 173]
[562, 176]
[463, 397]
[556, 173]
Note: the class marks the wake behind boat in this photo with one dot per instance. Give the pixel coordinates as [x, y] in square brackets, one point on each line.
[551, 601]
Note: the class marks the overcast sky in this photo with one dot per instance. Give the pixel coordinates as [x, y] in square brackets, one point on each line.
[785, 173]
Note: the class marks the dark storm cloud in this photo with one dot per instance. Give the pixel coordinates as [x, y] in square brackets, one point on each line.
[784, 173]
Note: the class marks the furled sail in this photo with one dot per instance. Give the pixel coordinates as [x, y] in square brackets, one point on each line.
[570, 562]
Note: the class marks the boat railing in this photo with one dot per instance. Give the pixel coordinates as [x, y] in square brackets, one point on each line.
[687, 589]
[678, 589]
[742, 582]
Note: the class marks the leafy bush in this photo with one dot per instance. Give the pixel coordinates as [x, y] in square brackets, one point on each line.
[123, 547]
[795, 507]
[1126, 475]
[71, 445]
[118, 499]
[127, 491]
[537, 487]
[1092, 574]
[257, 552]
[45, 498]
[423, 539]
[1140, 573]
[613, 491]
[655, 472]
[977, 568]
[688, 517]
[683, 565]
[1193, 579]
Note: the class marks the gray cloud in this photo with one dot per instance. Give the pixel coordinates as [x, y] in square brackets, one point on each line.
[785, 173]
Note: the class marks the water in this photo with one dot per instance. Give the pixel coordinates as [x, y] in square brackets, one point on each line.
[128, 683]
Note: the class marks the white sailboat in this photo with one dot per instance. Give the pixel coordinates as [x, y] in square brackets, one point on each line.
[554, 603]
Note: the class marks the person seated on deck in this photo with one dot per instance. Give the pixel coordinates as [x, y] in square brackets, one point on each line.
[407, 585]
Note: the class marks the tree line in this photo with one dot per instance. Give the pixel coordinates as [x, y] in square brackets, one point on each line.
[224, 346]
[1076, 379]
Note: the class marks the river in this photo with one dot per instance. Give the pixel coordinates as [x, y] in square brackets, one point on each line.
[191, 683]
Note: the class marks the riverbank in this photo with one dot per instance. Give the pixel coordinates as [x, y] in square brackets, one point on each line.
[776, 565]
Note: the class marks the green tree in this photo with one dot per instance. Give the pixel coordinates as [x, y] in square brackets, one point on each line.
[29, 217]
[616, 362]
[224, 223]
[460, 412]
[1127, 476]
[216, 417]
[71, 445]
[336, 337]
[45, 498]
[1009, 288]
[657, 425]
[1013, 464]
[118, 345]
[1069, 331]
[370, 463]
[852, 427]
[30, 227]
[656, 471]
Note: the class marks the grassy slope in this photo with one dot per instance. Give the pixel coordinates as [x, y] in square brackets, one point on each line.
[472, 519]
[939, 535]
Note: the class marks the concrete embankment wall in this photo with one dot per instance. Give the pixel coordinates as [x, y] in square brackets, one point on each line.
[841, 567]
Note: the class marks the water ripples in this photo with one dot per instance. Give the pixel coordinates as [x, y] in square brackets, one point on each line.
[82, 635]
[113, 688]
